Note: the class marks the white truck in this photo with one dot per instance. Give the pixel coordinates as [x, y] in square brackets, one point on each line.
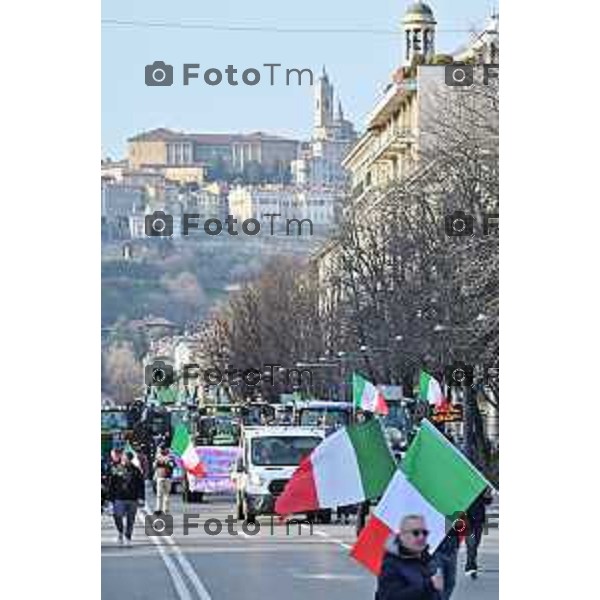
[268, 458]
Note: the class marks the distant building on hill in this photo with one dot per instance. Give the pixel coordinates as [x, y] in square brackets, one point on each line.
[255, 156]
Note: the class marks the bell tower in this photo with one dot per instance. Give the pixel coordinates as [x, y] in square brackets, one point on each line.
[323, 115]
[419, 32]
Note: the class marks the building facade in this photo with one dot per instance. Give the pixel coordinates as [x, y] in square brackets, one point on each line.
[402, 127]
[220, 154]
[320, 206]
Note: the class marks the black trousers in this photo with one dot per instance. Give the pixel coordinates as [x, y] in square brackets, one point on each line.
[473, 542]
[127, 509]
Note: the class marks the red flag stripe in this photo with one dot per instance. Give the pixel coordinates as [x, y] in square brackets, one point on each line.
[197, 470]
[370, 545]
[300, 492]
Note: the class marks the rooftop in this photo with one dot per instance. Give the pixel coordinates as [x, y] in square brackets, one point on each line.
[162, 135]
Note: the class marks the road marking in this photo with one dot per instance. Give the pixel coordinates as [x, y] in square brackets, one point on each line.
[188, 569]
[328, 576]
[332, 539]
[177, 579]
[184, 564]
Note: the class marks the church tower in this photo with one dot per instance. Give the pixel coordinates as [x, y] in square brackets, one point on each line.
[323, 116]
[419, 32]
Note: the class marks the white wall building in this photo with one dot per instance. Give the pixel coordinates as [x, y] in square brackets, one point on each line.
[320, 206]
[119, 199]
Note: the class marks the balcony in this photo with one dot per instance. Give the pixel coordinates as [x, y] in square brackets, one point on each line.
[390, 100]
[391, 143]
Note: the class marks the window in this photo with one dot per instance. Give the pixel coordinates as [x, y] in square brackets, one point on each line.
[282, 450]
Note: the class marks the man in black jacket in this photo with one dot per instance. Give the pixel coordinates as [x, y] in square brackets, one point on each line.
[125, 491]
[476, 518]
[407, 572]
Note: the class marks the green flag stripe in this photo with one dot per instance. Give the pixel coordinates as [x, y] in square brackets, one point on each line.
[424, 385]
[375, 460]
[181, 440]
[358, 388]
[438, 470]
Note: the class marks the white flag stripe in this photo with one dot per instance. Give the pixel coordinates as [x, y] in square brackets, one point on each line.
[401, 498]
[335, 470]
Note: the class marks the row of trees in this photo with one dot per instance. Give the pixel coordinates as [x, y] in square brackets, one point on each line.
[400, 288]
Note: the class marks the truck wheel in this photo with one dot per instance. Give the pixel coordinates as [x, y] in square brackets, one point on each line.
[239, 508]
[324, 516]
[249, 516]
[361, 516]
[186, 495]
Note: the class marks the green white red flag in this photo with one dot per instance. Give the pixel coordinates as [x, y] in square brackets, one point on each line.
[351, 465]
[430, 389]
[182, 446]
[435, 480]
[367, 396]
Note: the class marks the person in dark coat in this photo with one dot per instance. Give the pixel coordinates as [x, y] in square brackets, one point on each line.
[476, 519]
[125, 491]
[445, 558]
[407, 572]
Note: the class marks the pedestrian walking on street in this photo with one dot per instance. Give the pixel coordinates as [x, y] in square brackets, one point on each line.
[445, 558]
[126, 491]
[164, 466]
[407, 572]
[476, 518]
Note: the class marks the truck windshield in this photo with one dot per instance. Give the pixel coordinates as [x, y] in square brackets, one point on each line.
[319, 417]
[282, 451]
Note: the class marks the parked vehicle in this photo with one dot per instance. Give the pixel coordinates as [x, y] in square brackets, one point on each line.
[268, 458]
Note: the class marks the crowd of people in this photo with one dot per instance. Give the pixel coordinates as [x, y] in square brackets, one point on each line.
[408, 571]
[123, 489]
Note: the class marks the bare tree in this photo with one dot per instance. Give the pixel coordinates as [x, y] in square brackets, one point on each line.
[123, 372]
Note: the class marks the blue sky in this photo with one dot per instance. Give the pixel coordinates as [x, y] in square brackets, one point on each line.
[359, 64]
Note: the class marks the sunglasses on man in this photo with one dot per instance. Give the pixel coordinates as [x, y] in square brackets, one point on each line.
[419, 532]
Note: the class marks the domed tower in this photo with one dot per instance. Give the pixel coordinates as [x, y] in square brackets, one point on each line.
[419, 31]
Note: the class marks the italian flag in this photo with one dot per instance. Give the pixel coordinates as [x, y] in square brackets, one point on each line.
[367, 397]
[430, 389]
[182, 445]
[136, 459]
[351, 465]
[434, 481]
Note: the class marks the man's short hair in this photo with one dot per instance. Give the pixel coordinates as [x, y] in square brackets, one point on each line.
[406, 518]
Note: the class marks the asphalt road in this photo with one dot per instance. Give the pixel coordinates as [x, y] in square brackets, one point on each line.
[275, 562]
